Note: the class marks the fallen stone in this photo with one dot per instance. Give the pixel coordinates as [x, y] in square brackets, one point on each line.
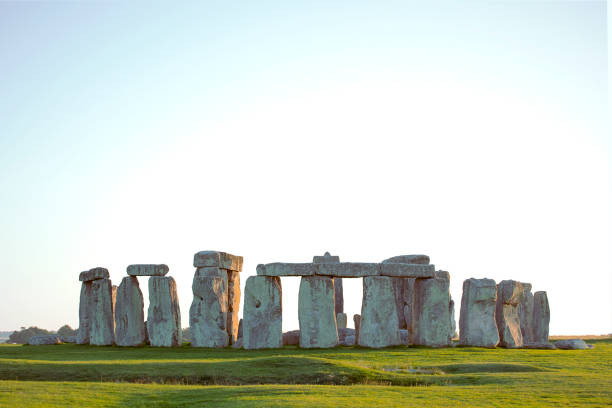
[357, 323]
[326, 258]
[233, 301]
[343, 333]
[407, 270]
[291, 338]
[94, 274]
[102, 323]
[211, 271]
[572, 344]
[341, 320]
[431, 312]
[316, 312]
[286, 269]
[147, 270]
[542, 346]
[218, 259]
[379, 326]
[348, 341]
[85, 311]
[129, 313]
[541, 317]
[262, 316]
[477, 326]
[405, 337]
[510, 294]
[164, 314]
[68, 339]
[409, 259]
[349, 269]
[208, 312]
[45, 340]
[525, 312]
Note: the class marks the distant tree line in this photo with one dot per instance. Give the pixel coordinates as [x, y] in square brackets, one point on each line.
[23, 335]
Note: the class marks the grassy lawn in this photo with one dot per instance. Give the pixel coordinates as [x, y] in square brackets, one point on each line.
[345, 376]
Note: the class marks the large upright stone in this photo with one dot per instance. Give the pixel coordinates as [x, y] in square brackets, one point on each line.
[233, 299]
[262, 323]
[164, 314]
[525, 312]
[379, 326]
[357, 323]
[477, 325]
[402, 289]
[453, 322]
[510, 293]
[316, 312]
[338, 290]
[85, 311]
[431, 311]
[341, 320]
[541, 317]
[219, 259]
[102, 326]
[129, 313]
[208, 312]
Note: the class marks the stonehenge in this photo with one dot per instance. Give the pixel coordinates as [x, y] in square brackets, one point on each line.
[405, 301]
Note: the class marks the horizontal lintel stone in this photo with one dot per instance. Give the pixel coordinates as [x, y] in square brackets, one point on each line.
[405, 270]
[210, 271]
[94, 274]
[219, 259]
[287, 269]
[349, 269]
[147, 270]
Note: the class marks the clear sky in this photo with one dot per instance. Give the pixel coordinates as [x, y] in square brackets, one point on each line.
[145, 132]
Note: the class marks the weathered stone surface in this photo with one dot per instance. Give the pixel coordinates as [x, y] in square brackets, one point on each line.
[240, 330]
[401, 288]
[238, 344]
[344, 333]
[357, 323]
[316, 312]
[233, 301]
[94, 274]
[262, 316]
[541, 318]
[407, 270]
[348, 341]
[408, 302]
[147, 341]
[349, 269]
[164, 314]
[405, 337]
[379, 326]
[453, 322]
[477, 326]
[338, 295]
[286, 269]
[85, 310]
[102, 323]
[431, 311]
[341, 320]
[44, 340]
[208, 312]
[129, 313]
[572, 344]
[291, 338]
[69, 339]
[218, 259]
[211, 271]
[147, 270]
[409, 259]
[509, 296]
[525, 312]
[326, 258]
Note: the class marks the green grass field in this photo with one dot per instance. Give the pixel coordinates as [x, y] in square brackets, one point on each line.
[70, 375]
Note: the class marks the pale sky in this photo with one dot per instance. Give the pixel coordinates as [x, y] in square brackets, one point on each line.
[145, 132]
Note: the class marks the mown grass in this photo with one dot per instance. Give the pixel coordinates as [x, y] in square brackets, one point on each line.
[344, 376]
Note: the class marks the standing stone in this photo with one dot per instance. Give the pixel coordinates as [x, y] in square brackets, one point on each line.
[431, 311]
[233, 320]
[316, 312]
[341, 320]
[541, 317]
[477, 326]
[379, 326]
[402, 290]
[262, 317]
[357, 322]
[85, 312]
[129, 313]
[164, 315]
[102, 328]
[208, 312]
[509, 295]
[338, 291]
[525, 312]
[453, 322]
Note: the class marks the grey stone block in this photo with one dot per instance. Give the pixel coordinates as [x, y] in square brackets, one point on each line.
[147, 270]
[218, 259]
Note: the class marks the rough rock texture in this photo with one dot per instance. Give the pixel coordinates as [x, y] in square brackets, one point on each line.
[431, 315]
[164, 314]
[348, 269]
[240, 330]
[341, 320]
[573, 344]
[68, 339]
[379, 326]
[477, 326]
[102, 320]
[525, 312]
[357, 323]
[316, 312]
[409, 259]
[286, 269]
[509, 295]
[407, 270]
[262, 315]
[344, 333]
[291, 338]
[218, 259]
[405, 337]
[348, 341]
[129, 313]
[338, 295]
[147, 270]
[238, 344]
[402, 292]
[453, 322]
[208, 312]
[211, 271]
[94, 274]
[44, 340]
[541, 318]
[85, 307]
[326, 258]
[233, 305]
